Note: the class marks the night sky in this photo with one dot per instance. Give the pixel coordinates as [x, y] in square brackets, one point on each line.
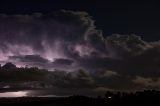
[116, 43]
[126, 17]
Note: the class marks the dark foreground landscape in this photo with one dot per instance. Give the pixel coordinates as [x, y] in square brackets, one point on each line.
[147, 97]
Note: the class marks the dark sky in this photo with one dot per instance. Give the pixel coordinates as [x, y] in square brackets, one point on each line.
[125, 17]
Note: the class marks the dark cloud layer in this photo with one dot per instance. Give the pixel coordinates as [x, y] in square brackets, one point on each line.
[69, 40]
[29, 58]
[63, 61]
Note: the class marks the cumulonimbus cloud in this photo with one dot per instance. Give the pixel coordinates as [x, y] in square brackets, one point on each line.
[61, 34]
[69, 40]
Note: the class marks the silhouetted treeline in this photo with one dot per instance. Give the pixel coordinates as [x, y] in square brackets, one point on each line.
[147, 97]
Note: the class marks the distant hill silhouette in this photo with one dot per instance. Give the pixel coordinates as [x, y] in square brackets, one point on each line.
[9, 65]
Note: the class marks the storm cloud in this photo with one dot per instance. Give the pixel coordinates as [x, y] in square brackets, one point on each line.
[61, 34]
[69, 40]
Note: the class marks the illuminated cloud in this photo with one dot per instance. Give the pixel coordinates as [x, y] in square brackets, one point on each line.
[61, 34]
[69, 40]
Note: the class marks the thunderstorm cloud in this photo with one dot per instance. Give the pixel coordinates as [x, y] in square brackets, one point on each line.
[69, 40]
